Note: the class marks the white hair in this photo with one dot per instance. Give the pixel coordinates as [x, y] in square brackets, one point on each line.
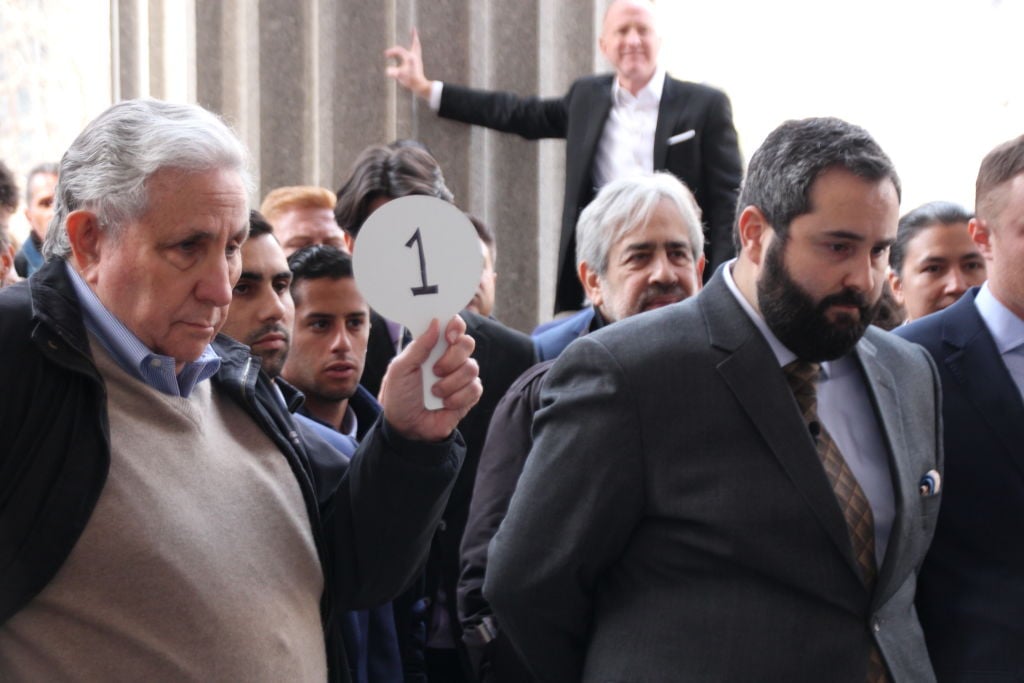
[627, 204]
[106, 168]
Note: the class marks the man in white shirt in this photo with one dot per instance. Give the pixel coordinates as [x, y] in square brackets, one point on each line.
[971, 592]
[638, 120]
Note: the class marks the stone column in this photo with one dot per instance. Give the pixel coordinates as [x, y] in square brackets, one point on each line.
[303, 83]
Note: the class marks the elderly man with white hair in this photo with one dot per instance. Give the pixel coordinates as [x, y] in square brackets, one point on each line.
[158, 514]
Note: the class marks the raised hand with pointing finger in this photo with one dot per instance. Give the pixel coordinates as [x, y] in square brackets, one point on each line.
[407, 68]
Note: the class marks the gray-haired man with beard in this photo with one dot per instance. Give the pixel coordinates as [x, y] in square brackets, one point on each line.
[736, 487]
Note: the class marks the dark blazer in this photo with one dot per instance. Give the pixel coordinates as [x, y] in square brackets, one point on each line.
[54, 462]
[674, 522]
[502, 354]
[379, 352]
[971, 592]
[709, 163]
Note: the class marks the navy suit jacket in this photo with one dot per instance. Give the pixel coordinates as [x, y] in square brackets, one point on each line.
[709, 162]
[970, 594]
[552, 338]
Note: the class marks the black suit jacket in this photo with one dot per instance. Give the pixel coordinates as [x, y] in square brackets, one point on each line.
[971, 591]
[709, 163]
[674, 522]
[502, 354]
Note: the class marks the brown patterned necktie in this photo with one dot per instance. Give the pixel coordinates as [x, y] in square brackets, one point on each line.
[860, 522]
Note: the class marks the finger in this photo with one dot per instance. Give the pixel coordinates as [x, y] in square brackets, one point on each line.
[417, 351]
[455, 355]
[455, 328]
[397, 52]
[415, 44]
[464, 399]
[456, 380]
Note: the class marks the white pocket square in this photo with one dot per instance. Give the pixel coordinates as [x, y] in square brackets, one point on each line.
[682, 137]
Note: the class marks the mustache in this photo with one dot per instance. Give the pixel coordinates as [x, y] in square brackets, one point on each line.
[659, 290]
[847, 297]
[269, 329]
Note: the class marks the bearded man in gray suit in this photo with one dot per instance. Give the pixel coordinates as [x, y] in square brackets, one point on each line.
[736, 487]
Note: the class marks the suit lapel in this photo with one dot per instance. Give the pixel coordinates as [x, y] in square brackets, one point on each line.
[881, 388]
[599, 106]
[974, 362]
[751, 371]
[669, 106]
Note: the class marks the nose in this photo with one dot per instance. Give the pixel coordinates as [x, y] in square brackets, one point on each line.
[661, 269]
[954, 282]
[342, 343]
[862, 275]
[216, 281]
[272, 308]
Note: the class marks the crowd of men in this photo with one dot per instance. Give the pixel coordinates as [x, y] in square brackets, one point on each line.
[216, 461]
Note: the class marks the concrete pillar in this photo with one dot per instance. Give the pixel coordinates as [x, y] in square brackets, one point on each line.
[302, 81]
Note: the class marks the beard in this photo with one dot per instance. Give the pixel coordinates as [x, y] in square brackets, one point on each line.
[800, 322]
[271, 361]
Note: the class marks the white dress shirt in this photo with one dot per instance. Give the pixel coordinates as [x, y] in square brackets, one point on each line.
[1007, 330]
[845, 408]
[626, 147]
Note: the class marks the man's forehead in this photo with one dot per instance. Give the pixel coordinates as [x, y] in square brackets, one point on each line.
[265, 254]
[619, 10]
[340, 293]
[42, 181]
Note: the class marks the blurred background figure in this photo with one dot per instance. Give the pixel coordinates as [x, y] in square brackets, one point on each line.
[482, 302]
[933, 261]
[39, 189]
[303, 215]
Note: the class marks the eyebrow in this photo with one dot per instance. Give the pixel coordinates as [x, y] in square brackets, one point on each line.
[640, 246]
[856, 237]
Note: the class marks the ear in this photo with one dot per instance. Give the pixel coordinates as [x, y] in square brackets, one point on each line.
[6, 263]
[981, 233]
[755, 233]
[85, 236]
[699, 267]
[591, 284]
[896, 285]
[350, 243]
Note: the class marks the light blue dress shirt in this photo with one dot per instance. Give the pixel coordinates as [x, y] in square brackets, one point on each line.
[131, 355]
[1007, 331]
[846, 410]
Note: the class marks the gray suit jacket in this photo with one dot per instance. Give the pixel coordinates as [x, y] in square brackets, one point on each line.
[674, 523]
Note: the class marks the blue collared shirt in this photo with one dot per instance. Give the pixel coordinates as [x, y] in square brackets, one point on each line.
[1007, 331]
[131, 355]
[846, 410]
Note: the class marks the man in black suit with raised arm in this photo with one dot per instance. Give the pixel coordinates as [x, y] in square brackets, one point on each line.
[636, 120]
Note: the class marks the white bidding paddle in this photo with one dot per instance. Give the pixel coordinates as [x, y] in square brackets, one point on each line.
[418, 258]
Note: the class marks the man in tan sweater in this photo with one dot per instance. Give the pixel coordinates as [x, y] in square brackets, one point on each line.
[158, 511]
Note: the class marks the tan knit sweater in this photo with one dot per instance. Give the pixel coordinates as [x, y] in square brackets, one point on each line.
[198, 563]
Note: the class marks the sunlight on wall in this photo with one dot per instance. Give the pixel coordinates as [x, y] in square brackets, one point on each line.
[937, 82]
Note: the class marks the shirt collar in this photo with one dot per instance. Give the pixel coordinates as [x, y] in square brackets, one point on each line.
[131, 355]
[782, 353]
[649, 94]
[1006, 328]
